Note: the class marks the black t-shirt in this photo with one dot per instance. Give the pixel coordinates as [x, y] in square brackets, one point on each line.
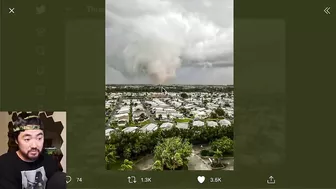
[18, 174]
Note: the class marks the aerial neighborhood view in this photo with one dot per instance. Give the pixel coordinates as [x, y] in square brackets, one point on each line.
[169, 93]
[150, 128]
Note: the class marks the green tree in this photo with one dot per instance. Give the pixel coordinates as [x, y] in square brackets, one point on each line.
[217, 156]
[205, 102]
[219, 111]
[142, 116]
[110, 155]
[224, 145]
[130, 116]
[173, 153]
[127, 152]
[184, 95]
[157, 166]
[127, 165]
[213, 115]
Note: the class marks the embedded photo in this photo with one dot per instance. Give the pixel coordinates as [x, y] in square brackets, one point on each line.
[169, 96]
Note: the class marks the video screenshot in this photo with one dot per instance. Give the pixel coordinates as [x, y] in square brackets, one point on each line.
[167, 94]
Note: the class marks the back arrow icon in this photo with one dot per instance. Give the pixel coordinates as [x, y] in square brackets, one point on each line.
[326, 10]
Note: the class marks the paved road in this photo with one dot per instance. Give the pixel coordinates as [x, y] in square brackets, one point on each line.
[197, 163]
[109, 122]
[151, 119]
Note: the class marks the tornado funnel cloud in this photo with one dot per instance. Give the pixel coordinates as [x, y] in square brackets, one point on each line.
[155, 38]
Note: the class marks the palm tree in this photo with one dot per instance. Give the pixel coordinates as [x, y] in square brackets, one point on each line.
[217, 156]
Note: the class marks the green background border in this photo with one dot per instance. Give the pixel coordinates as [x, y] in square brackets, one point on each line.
[277, 48]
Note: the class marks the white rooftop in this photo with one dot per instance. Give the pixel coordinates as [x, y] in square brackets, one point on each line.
[130, 129]
[212, 123]
[198, 123]
[108, 132]
[120, 115]
[166, 125]
[224, 122]
[150, 127]
[182, 125]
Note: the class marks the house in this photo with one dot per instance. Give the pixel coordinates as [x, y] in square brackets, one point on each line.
[151, 103]
[200, 115]
[157, 109]
[176, 115]
[182, 125]
[189, 106]
[130, 129]
[137, 113]
[127, 102]
[200, 109]
[208, 112]
[170, 110]
[149, 128]
[176, 104]
[198, 102]
[108, 104]
[121, 116]
[224, 122]
[212, 123]
[124, 109]
[166, 126]
[108, 132]
[138, 107]
[198, 123]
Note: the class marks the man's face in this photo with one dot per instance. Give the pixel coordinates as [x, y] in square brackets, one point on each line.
[30, 144]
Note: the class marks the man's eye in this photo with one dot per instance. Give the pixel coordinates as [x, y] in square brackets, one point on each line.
[27, 139]
[39, 139]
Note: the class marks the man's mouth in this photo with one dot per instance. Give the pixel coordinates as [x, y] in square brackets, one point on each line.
[33, 151]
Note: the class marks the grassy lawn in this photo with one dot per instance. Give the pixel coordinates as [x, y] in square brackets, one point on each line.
[144, 123]
[213, 119]
[182, 120]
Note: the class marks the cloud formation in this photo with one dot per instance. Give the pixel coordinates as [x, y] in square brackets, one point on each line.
[156, 39]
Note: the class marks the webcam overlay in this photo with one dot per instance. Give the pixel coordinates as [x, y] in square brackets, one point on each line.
[33, 145]
[169, 98]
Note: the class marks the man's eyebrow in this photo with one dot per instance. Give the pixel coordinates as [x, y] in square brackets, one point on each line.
[40, 134]
[29, 135]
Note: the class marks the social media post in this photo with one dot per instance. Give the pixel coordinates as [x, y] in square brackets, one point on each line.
[169, 97]
[33, 149]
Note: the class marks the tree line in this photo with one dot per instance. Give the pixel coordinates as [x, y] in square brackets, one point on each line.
[122, 146]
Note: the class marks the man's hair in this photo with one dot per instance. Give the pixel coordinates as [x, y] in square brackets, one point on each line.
[26, 120]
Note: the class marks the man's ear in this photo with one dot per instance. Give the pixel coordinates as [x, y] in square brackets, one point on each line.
[16, 142]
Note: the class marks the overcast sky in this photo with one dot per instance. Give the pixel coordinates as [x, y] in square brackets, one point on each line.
[169, 42]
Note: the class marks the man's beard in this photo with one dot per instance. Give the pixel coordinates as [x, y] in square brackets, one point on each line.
[26, 155]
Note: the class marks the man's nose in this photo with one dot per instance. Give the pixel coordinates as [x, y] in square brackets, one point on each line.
[34, 144]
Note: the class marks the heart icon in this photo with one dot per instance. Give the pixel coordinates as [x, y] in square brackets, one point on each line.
[201, 179]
